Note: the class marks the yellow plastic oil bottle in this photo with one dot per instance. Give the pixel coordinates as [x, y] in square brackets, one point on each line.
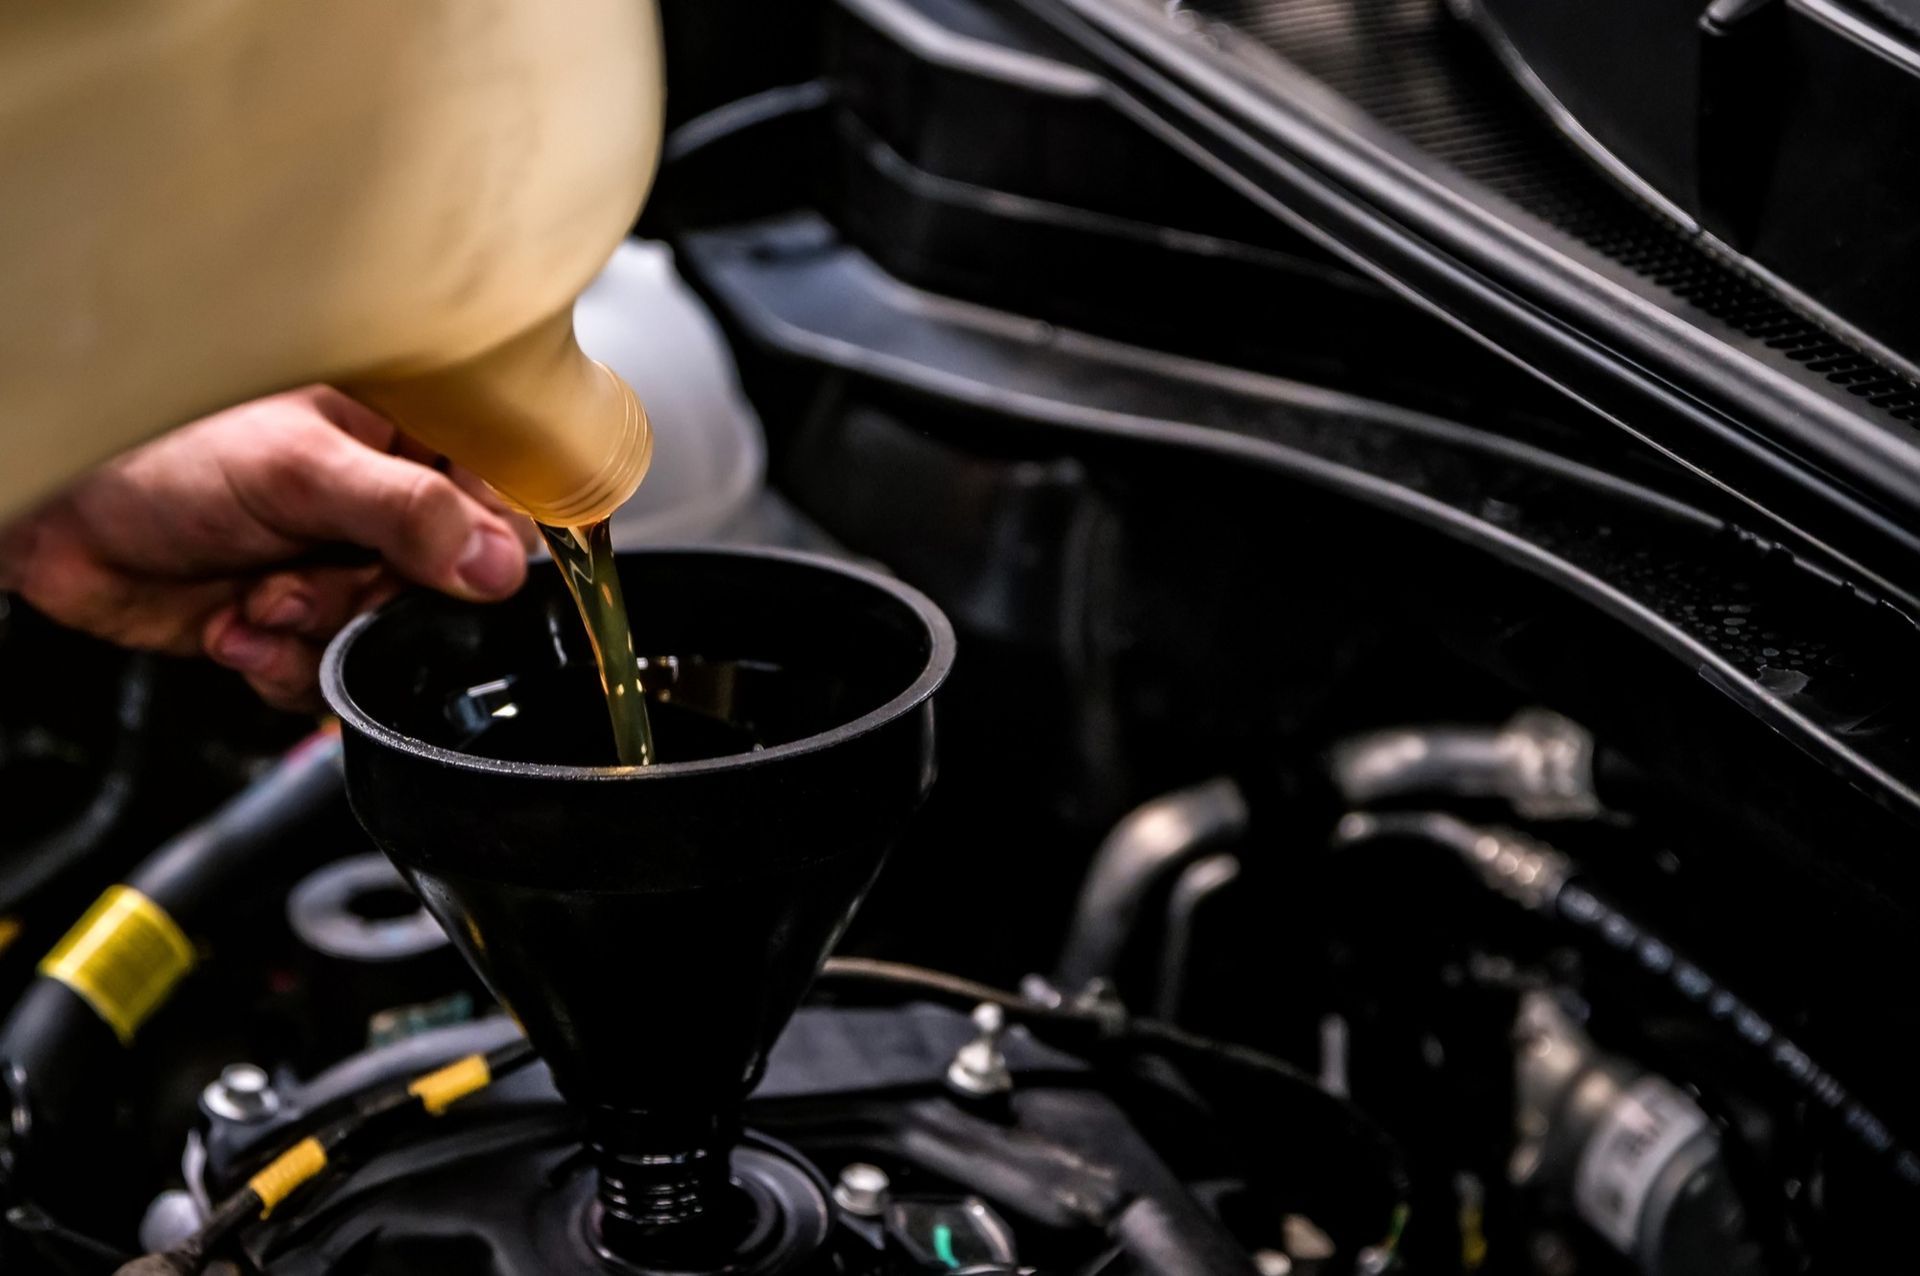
[202, 201]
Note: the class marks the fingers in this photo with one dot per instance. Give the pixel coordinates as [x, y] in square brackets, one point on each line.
[314, 603]
[427, 529]
[54, 572]
[276, 635]
[374, 430]
[282, 668]
[160, 549]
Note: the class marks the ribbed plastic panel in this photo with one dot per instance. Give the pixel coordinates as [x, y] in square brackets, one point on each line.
[1410, 66]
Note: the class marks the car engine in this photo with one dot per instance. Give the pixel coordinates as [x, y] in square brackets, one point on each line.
[1426, 782]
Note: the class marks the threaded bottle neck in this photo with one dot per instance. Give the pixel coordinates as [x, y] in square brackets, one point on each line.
[629, 453]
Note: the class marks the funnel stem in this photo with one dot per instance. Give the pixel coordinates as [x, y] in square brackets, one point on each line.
[664, 1184]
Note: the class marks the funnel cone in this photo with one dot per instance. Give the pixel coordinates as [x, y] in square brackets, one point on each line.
[651, 928]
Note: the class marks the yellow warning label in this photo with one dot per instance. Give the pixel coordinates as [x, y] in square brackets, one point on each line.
[123, 958]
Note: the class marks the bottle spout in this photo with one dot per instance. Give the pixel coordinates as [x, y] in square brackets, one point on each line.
[558, 435]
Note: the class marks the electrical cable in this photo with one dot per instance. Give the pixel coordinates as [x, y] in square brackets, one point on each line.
[376, 1115]
[1080, 1027]
[1103, 1017]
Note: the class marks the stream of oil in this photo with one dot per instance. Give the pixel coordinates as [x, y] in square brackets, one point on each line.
[585, 558]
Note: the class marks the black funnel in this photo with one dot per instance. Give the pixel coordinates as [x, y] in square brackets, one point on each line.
[652, 928]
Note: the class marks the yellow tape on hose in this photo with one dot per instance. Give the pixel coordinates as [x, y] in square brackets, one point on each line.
[439, 1090]
[122, 958]
[286, 1172]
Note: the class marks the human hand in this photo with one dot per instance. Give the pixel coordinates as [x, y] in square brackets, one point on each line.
[195, 541]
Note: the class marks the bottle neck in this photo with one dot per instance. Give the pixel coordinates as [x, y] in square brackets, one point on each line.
[557, 434]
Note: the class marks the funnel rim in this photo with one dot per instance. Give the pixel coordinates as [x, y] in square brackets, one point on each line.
[932, 674]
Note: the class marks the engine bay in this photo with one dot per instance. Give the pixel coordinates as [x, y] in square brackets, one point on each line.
[1389, 817]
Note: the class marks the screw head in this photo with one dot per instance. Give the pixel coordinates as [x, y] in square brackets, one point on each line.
[978, 1069]
[242, 1092]
[862, 1189]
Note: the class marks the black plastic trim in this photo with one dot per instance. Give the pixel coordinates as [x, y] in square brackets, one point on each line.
[1836, 475]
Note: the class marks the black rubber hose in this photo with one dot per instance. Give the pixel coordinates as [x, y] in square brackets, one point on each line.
[68, 848]
[1162, 1244]
[57, 1054]
[194, 875]
[1543, 880]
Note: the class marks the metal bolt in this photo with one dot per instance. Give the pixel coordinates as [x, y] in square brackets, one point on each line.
[1304, 1240]
[979, 1069]
[862, 1189]
[170, 1219]
[242, 1092]
[1039, 988]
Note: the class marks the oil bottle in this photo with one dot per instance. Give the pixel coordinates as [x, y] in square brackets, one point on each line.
[205, 201]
